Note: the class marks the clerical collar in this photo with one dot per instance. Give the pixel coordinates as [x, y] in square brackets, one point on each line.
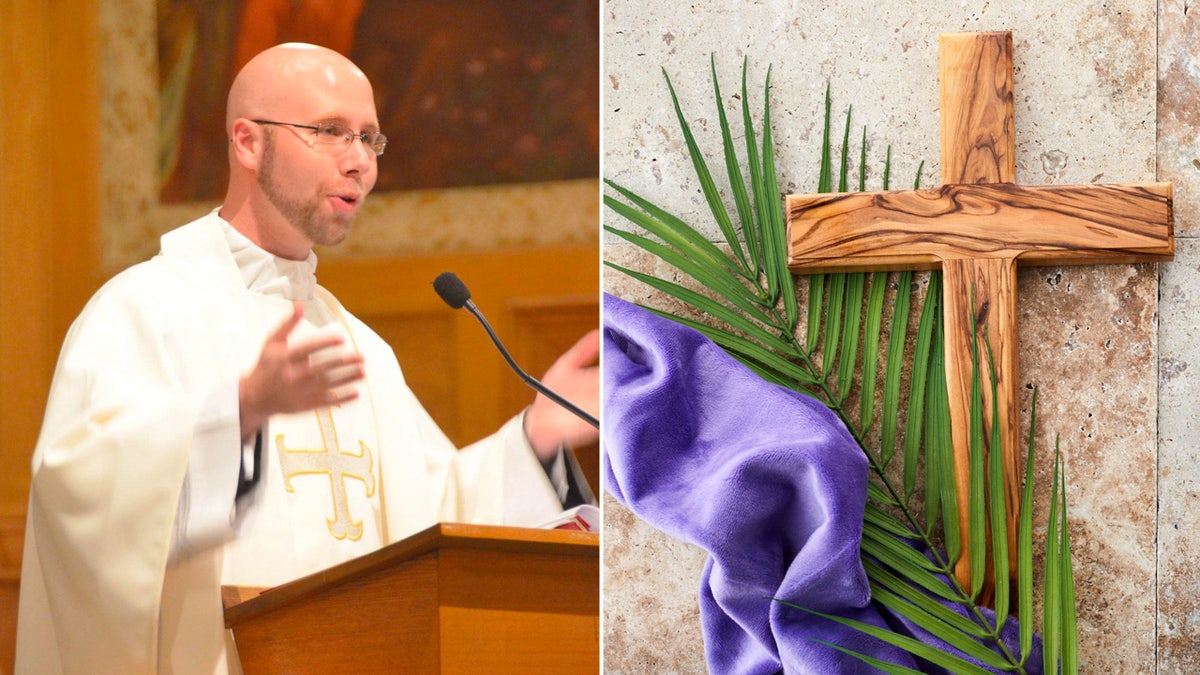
[267, 273]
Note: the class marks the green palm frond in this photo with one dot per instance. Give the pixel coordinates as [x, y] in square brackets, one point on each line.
[835, 351]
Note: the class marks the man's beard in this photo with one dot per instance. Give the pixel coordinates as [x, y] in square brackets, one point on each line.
[305, 216]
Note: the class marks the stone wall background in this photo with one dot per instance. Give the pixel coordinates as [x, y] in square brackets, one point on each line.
[1104, 92]
[1178, 155]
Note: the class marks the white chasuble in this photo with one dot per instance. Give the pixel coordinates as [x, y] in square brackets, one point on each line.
[144, 402]
[318, 499]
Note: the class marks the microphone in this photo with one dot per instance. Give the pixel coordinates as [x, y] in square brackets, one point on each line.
[454, 292]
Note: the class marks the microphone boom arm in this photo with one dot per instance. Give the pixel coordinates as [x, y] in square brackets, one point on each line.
[530, 380]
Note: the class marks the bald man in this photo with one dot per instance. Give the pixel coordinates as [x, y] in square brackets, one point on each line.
[217, 417]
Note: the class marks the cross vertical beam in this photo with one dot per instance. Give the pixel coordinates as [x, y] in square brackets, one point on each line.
[977, 227]
[979, 146]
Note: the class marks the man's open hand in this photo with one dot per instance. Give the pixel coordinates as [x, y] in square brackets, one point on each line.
[287, 379]
[576, 377]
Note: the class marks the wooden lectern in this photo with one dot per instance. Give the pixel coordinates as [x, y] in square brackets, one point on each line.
[450, 599]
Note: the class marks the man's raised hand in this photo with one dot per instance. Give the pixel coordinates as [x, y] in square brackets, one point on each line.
[287, 379]
[576, 377]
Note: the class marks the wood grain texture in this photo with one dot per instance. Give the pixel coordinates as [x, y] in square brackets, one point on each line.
[977, 228]
[350, 629]
[1042, 225]
[452, 598]
[979, 296]
[978, 132]
[502, 612]
[980, 300]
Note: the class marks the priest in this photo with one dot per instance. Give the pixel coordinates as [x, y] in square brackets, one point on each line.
[216, 417]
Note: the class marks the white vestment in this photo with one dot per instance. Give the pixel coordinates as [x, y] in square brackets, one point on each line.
[145, 399]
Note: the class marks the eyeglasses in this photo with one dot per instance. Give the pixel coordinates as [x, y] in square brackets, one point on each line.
[337, 135]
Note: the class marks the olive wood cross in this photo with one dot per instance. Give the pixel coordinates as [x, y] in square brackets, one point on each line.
[976, 228]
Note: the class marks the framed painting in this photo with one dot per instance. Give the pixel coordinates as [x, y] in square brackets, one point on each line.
[469, 92]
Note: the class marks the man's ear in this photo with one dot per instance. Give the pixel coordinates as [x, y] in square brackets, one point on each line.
[247, 141]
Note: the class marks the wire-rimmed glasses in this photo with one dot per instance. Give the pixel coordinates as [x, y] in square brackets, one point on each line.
[338, 136]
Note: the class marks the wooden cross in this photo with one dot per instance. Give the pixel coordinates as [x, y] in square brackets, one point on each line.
[338, 465]
[976, 228]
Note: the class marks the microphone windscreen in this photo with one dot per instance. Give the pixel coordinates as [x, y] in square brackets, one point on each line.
[451, 290]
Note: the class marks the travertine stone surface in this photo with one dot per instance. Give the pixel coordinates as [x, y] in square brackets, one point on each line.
[661, 631]
[1085, 112]
[1087, 342]
[1179, 109]
[1179, 459]
[1179, 342]
[398, 223]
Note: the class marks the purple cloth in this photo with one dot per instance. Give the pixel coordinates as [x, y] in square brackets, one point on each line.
[765, 479]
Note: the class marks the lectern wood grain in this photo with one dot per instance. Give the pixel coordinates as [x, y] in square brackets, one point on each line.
[977, 228]
[451, 599]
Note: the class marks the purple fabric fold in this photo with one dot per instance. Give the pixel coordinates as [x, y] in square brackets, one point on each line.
[765, 479]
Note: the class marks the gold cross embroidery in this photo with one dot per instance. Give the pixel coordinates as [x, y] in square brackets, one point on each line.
[338, 466]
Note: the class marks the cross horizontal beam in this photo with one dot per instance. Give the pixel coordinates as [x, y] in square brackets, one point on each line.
[918, 229]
